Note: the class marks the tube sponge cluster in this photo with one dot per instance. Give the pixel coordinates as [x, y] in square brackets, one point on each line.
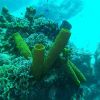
[38, 65]
[41, 64]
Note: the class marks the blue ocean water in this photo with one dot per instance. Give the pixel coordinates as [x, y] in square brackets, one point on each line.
[85, 23]
[87, 33]
[42, 26]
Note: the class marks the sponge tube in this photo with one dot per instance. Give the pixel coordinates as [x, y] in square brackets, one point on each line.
[59, 44]
[38, 60]
[79, 74]
[21, 45]
[72, 74]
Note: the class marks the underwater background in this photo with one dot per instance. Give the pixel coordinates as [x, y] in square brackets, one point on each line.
[49, 50]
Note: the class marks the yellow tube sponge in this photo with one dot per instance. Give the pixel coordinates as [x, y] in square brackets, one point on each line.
[38, 60]
[79, 74]
[59, 44]
[72, 74]
[21, 45]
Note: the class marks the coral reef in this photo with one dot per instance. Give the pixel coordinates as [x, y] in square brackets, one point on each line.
[97, 61]
[6, 15]
[27, 25]
[38, 38]
[31, 47]
[30, 12]
[89, 65]
[4, 58]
